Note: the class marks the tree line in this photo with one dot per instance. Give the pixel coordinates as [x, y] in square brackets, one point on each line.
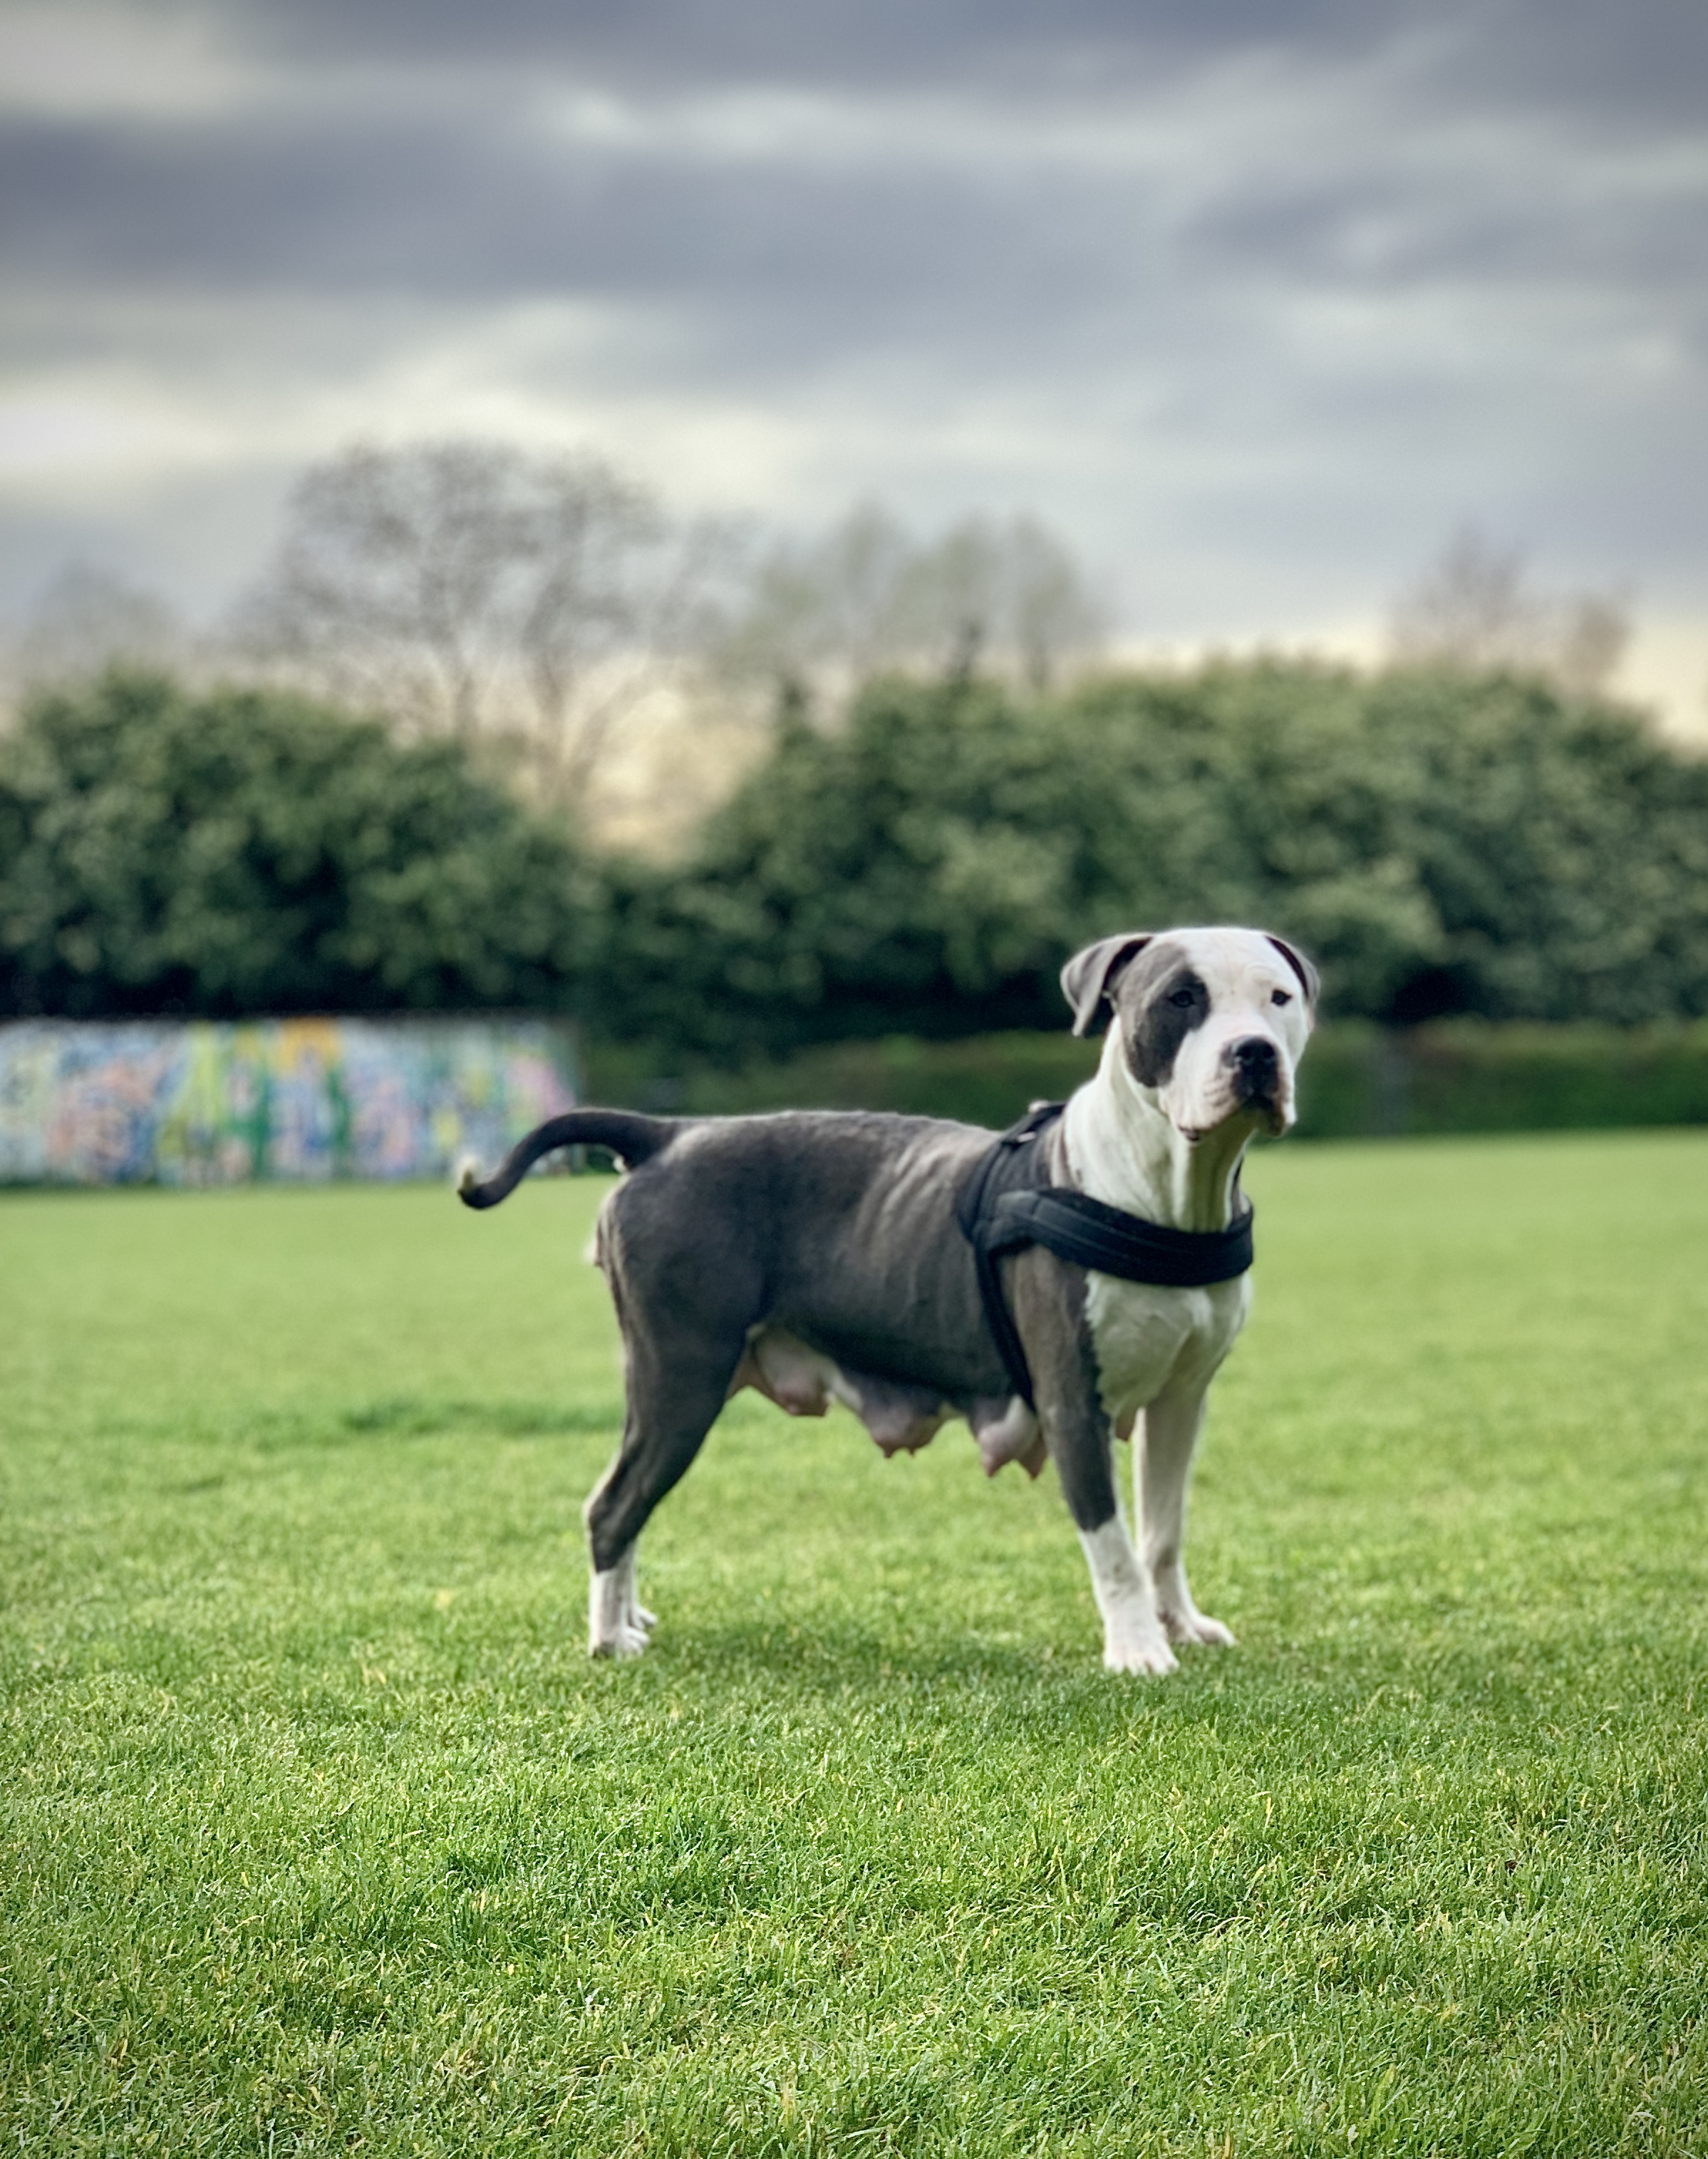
[552, 606]
[1443, 840]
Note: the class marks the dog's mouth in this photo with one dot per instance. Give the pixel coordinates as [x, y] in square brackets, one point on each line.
[1266, 1110]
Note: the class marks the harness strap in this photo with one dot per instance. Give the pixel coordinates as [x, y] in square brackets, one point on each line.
[1006, 1205]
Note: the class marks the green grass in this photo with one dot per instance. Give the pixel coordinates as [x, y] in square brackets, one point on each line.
[318, 1831]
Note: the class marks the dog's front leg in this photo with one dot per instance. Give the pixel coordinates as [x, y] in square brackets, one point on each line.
[1133, 1639]
[1049, 1306]
[1161, 1462]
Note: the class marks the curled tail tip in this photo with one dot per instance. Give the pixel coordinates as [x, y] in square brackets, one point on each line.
[468, 1183]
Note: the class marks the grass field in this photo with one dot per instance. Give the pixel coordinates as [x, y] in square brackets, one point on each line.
[318, 1831]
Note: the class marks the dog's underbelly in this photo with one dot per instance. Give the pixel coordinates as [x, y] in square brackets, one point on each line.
[901, 1418]
[1147, 1339]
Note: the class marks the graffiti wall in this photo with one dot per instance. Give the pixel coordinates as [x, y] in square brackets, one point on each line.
[189, 1102]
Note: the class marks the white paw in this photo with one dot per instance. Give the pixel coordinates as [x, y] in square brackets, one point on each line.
[624, 1642]
[639, 1616]
[1126, 1650]
[1196, 1626]
[617, 1619]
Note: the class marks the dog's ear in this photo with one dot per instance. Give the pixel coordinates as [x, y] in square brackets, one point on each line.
[1309, 979]
[1090, 975]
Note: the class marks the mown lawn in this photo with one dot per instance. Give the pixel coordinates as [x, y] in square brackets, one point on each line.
[318, 1831]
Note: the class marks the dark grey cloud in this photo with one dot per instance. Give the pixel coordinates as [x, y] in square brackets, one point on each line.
[1370, 232]
[750, 268]
[470, 202]
[441, 176]
[1074, 44]
[1256, 299]
[1646, 54]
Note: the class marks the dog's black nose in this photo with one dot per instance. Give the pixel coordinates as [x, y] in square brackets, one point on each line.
[1255, 1059]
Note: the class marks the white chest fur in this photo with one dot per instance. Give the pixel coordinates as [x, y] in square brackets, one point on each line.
[1153, 1341]
[1150, 1340]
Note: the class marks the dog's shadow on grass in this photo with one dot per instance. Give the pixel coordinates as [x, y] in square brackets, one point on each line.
[405, 1417]
[793, 1661]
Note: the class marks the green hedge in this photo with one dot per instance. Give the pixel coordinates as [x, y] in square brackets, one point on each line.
[1453, 1076]
[984, 1079]
[1469, 1076]
[1439, 843]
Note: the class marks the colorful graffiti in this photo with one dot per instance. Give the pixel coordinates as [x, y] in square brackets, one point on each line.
[197, 1103]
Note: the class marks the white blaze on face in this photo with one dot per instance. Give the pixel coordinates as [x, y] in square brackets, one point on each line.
[1253, 997]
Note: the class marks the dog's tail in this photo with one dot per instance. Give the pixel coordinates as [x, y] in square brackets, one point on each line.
[628, 1136]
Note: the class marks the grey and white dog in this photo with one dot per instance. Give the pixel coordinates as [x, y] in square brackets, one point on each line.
[815, 1255]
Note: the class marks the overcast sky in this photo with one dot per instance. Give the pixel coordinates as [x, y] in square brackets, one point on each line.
[1256, 302]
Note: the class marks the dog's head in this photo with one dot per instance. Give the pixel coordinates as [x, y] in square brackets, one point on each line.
[1211, 1022]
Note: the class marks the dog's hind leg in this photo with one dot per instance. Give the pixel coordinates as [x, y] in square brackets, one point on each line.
[617, 1621]
[672, 1408]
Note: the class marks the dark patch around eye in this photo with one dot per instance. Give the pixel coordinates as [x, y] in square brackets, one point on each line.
[1161, 1023]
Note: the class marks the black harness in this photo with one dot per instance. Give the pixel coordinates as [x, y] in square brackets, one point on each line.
[1006, 1204]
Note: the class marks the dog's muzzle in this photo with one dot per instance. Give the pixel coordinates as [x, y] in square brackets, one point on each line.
[1255, 1064]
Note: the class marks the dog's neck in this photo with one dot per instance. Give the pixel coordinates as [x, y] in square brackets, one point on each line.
[1125, 1151]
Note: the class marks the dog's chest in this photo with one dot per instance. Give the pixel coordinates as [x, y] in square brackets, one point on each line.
[1147, 1339]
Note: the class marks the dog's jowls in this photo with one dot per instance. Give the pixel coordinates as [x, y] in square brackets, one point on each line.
[816, 1256]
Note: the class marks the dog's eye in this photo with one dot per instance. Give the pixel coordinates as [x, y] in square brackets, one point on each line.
[1182, 998]
[1281, 996]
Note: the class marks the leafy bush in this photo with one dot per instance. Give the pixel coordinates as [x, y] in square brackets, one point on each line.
[245, 852]
[910, 872]
[1442, 843]
[981, 1079]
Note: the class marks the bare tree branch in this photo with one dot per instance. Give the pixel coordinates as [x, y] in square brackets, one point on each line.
[87, 620]
[467, 587]
[1476, 609]
[866, 596]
